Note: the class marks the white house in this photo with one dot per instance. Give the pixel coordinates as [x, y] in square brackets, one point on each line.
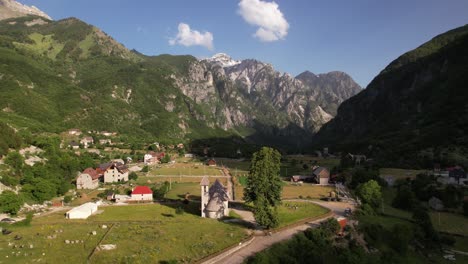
[153, 157]
[114, 172]
[87, 141]
[142, 193]
[88, 179]
[83, 211]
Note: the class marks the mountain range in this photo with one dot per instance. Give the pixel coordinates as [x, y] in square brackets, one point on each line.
[416, 109]
[56, 75]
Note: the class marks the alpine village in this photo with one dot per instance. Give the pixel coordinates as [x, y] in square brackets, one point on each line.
[108, 155]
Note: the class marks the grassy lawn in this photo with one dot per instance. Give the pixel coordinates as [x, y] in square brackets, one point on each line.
[388, 195]
[37, 236]
[234, 164]
[174, 179]
[307, 190]
[386, 221]
[179, 190]
[185, 237]
[461, 243]
[290, 212]
[400, 173]
[450, 223]
[161, 234]
[185, 169]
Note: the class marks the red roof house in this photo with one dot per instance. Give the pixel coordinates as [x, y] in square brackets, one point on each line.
[142, 193]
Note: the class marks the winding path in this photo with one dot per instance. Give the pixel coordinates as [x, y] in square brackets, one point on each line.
[259, 243]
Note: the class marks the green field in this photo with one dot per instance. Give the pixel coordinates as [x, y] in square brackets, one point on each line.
[185, 169]
[179, 190]
[291, 212]
[450, 223]
[443, 221]
[306, 190]
[162, 235]
[175, 179]
[400, 173]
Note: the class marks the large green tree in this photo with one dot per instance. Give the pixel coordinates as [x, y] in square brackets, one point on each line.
[370, 193]
[264, 186]
[10, 202]
[16, 161]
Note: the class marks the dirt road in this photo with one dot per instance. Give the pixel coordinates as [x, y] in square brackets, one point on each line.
[262, 242]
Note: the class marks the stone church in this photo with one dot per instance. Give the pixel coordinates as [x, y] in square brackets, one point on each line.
[214, 199]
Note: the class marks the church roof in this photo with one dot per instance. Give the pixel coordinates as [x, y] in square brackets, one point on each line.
[205, 181]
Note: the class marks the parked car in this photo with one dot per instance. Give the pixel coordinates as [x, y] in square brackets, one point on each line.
[347, 211]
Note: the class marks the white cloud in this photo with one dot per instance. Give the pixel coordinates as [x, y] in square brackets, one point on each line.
[189, 37]
[267, 16]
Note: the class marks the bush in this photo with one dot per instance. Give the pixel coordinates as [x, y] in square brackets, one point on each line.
[25, 222]
[133, 176]
[10, 202]
[145, 169]
[179, 210]
[405, 198]
[67, 198]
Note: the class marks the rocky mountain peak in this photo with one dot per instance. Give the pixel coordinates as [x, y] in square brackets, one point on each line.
[223, 60]
[12, 8]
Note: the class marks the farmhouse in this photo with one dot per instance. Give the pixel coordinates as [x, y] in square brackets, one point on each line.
[214, 200]
[451, 175]
[87, 141]
[88, 179]
[83, 211]
[74, 145]
[114, 172]
[142, 193]
[211, 162]
[153, 157]
[321, 175]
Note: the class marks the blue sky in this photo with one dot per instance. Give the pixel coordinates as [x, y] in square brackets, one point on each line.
[359, 37]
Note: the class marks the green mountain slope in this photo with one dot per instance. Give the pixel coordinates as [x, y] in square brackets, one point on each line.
[70, 74]
[414, 111]
[56, 75]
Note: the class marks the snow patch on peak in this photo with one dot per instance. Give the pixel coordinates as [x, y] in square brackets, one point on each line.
[223, 60]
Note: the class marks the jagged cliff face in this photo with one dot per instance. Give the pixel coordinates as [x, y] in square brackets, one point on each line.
[11, 8]
[242, 93]
[330, 89]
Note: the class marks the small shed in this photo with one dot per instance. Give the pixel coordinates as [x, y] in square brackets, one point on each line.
[211, 162]
[82, 212]
[322, 175]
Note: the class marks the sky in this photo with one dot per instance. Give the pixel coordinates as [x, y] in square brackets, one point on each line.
[359, 37]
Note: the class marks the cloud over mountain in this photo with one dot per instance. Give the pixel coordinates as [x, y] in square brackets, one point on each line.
[267, 16]
[190, 37]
